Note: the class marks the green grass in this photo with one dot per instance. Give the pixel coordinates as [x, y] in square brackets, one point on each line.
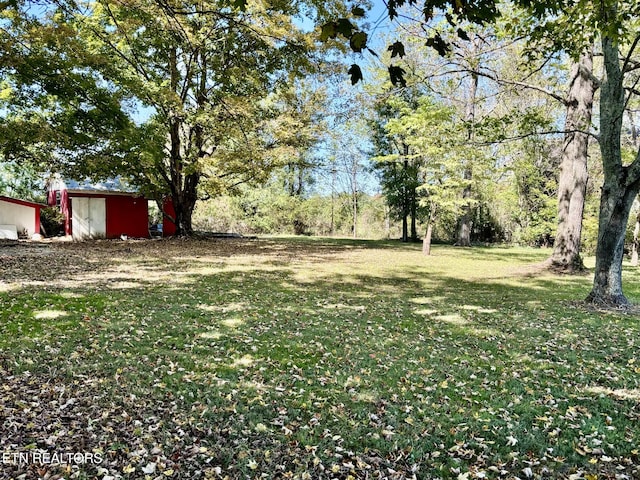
[316, 358]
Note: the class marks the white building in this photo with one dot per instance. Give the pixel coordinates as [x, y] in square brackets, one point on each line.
[18, 217]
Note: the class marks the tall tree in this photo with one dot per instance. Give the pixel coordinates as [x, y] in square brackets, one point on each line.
[53, 103]
[205, 70]
[349, 159]
[528, 79]
[471, 99]
[461, 77]
[572, 185]
[621, 182]
[20, 181]
[300, 126]
[400, 177]
[432, 136]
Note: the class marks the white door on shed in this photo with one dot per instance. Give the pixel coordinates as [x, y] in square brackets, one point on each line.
[89, 218]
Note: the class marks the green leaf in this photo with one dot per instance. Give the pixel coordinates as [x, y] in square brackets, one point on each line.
[345, 27]
[397, 50]
[392, 8]
[356, 74]
[358, 12]
[328, 30]
[358, 41]
[240, 4]
[427, 12]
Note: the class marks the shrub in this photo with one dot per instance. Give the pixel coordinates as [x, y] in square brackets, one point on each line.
[52, 222]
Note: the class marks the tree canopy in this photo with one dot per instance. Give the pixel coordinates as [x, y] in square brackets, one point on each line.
[183, 99]
[570, 27]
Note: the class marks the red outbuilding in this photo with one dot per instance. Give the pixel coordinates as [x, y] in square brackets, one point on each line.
[91, 213]
[104, 210]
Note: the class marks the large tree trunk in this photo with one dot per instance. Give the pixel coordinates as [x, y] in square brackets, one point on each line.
[405, 227]
[572, 185]
[182, 217]
[184, 196]
[183, 186]
[615, 207]
[621, 185]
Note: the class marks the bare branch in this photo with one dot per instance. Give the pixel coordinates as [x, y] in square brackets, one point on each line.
[137, 64]
[529, 86]
[534, 134]
[627, 59]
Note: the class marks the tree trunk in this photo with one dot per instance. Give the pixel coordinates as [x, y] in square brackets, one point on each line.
[182, 221]
[621, 185]
[405, 194]
[615, 207]
[387, 221]
[184, 202]
[414, 213]
[426, 241]
[184, 187]
[332, 228]
[465, 222]
[405, 226]
[355, 217]
[572, 185]
[354, 185]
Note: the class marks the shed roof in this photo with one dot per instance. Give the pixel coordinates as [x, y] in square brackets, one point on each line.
[117, 184]
[26, 203]
[100, 193]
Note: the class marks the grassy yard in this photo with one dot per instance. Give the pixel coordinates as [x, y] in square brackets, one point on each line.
[309, 359]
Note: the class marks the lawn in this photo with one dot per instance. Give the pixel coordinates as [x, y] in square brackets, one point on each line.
[309, 359]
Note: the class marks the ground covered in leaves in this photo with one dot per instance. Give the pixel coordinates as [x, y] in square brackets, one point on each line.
[309, 359]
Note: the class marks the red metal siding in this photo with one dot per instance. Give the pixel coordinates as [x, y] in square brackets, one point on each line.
[37, 219]
[127, 216]
[65, 209]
